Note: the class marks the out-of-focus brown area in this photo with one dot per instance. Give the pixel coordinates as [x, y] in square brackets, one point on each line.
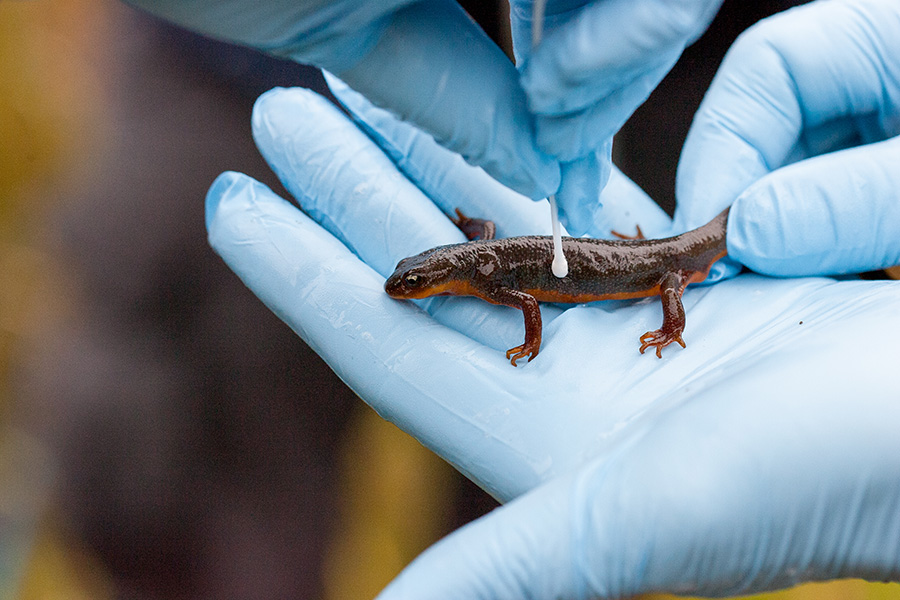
[168, 437]
[162, 435]
[192, 441]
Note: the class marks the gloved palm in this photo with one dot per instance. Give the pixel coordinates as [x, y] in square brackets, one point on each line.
[766, 452]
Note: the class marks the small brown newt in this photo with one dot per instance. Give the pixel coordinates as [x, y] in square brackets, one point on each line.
[516, 272]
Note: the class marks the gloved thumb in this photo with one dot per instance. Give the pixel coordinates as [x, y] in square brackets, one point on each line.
[832, 214]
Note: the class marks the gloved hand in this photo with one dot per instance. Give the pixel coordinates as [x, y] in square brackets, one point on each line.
[765, 453]
[428, 62]
[799, 131]
[597, 62]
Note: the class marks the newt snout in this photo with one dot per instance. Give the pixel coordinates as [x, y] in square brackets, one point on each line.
[408, 281]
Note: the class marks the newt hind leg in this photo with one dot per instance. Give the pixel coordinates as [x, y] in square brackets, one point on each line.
[625, 236]
[670, 291]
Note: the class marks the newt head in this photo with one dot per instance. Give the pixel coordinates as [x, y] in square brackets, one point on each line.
[430, 273]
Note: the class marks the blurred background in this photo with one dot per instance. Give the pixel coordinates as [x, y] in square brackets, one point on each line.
[162, 435]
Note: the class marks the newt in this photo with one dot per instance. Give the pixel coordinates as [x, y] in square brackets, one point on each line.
[516, 272]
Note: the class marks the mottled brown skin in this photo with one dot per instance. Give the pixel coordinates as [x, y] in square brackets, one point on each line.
[516, 272]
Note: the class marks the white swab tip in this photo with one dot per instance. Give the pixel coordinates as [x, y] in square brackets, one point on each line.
[559, 266]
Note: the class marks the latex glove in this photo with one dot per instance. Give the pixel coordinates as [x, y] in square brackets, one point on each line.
[799, 131]
[596, 63]
[428, 62]
[765, 453]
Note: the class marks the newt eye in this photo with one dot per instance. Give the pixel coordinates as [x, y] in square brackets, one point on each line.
[412, 280]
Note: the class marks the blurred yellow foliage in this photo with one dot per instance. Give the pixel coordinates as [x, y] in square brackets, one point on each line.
[845, 589]
[395, 500]
[47, 87]
[61, 571]
[49, 105]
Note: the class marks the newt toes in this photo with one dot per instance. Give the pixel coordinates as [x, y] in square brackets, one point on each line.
[660, 340]
[519, 352]
[624, 236]
[474, 228]
[516, 272]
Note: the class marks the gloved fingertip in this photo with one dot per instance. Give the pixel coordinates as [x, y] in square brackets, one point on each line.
[354, 102]
[225, 185]
[773, 233]
[270, 101]
[282, 112]
[542, 91]
[580, 187]
[577, 217]
[336, 85]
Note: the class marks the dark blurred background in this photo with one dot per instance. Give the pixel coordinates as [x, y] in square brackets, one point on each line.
[164, 435]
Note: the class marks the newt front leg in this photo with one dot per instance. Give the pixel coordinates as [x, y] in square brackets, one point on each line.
[532, 313]
[670, 290]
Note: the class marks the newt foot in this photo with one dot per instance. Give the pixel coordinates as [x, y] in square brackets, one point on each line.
[514, 354]
[660, 339]
[625, 236]
[474, 228]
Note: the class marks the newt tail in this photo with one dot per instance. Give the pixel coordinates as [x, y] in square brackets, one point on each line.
[516, 272]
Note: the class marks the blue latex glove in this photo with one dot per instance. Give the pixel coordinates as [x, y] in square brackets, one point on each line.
[428, 62]
[597, 62]
[798, 131]
[765, 453]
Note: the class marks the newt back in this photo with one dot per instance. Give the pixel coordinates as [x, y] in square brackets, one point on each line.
[516, 272]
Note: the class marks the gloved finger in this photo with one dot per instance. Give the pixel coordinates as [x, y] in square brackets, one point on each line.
[332, 33]
[346, 183]
[441, 174]
[573, 79]
[716, 498]
[578, 197]
[816, 78]
[451, 183]
[426, 61]
[598, 48]
[465, 92]
[571, 135]
[380, 347]
[832, 214]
